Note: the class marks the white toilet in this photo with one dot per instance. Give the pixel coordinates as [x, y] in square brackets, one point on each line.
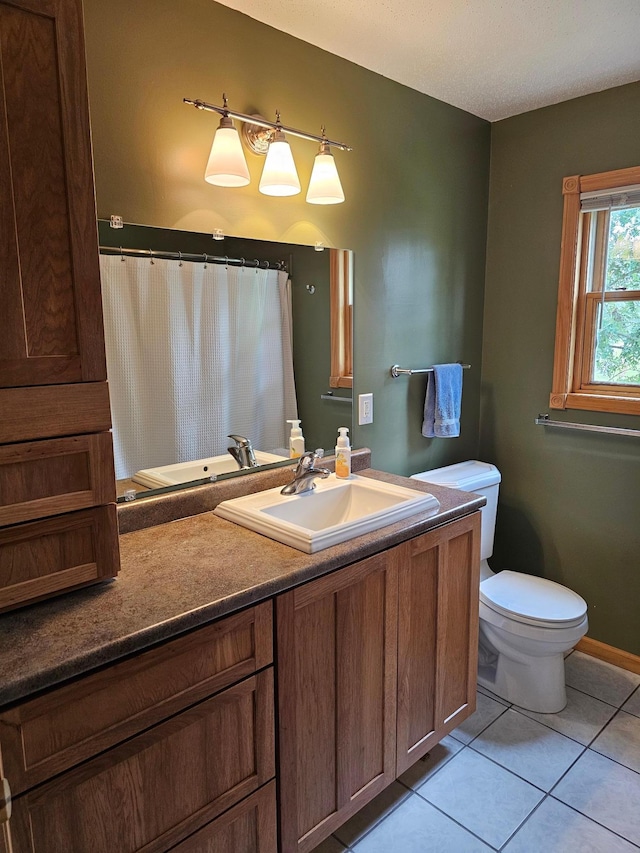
[527, 624]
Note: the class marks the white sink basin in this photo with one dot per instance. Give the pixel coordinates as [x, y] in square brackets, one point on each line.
[336, 510]
[184, 472]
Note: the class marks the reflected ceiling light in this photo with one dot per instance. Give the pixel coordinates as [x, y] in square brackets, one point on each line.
[227, 166]
[325, 186]
[279, 176]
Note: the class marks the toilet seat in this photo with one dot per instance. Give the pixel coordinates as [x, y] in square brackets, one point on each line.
[532, 601]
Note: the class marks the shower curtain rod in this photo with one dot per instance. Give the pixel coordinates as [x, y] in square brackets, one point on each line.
[200, 257]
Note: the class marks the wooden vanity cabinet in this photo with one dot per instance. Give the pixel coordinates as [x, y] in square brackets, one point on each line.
[147, 763]
[376, 663]
[52, 359]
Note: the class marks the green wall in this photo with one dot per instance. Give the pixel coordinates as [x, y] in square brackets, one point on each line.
[416, 186]
[570, 501]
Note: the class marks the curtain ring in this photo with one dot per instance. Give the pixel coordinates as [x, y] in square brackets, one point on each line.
[204, 255]
[151, 257]
[242, 262]
[121, 255]
[257, 265]
[179, 259]
[226, 262]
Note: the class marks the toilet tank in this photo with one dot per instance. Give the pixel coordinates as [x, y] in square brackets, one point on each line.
[472, 476]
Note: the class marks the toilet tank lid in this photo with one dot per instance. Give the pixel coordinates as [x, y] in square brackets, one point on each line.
[467, 476]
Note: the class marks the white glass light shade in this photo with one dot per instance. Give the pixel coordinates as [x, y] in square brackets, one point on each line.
[227, 166]
[279, 176]
[325, 186]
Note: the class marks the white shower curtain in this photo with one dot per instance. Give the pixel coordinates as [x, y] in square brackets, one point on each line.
[195, 353]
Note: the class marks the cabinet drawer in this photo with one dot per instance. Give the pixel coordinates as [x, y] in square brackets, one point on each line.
[249, 827]
[42, 478]
[44, 558]
[153, 791]
[49, 734]
[53, 411]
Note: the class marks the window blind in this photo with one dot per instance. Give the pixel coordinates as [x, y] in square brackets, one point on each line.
[612, 199]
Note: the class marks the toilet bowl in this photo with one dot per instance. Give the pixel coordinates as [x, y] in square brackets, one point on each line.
[527, 623]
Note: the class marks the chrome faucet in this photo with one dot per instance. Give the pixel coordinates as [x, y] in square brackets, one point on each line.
[305, 474]
[242, 452]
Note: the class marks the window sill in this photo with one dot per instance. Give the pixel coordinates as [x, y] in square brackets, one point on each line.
[616, 404]
[341, 382]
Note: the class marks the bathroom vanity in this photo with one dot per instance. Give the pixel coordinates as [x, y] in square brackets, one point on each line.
[140, 715]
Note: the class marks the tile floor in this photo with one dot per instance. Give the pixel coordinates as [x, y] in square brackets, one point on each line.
[520, 782]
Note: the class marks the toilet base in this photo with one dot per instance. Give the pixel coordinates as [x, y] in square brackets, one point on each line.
[537, 685]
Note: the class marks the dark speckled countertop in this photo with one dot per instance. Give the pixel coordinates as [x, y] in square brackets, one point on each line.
[175, 577]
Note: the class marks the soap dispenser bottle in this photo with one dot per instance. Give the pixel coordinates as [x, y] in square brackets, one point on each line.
[296, 440]
[343, 454]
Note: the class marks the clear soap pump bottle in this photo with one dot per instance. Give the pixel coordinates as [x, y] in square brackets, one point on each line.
[343, 454]
[296, 440]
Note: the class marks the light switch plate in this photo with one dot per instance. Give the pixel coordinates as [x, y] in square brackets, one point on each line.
[365, 409]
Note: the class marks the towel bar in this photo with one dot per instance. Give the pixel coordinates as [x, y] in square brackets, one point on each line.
[543, 420]
[336, 399]
[396, 370]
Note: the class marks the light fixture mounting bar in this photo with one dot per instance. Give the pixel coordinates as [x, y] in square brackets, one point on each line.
[225, 111]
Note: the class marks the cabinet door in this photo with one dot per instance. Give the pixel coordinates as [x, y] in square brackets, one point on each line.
[337, 698]
[50, 291]
[155, 790]
[437, 635]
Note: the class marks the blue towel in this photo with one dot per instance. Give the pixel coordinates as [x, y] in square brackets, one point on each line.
[442, 403]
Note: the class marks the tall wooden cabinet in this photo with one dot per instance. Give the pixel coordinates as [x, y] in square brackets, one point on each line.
[56, 455]
[376, 663]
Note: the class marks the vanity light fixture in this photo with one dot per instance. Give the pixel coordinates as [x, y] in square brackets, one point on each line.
[279, 176]
[227, 166]
[324, 186]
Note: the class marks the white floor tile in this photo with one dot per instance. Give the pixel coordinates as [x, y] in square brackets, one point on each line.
[620, 740]
[582, 718]
[529, 749]
[600, 679]
[480, 795]
[555, 828]
[368, 816]
[487, 710]
[416, 827]
[604, 791]
[425, 767]
[632, 705]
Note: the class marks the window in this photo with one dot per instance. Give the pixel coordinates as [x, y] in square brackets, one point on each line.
[597, 351]
[341, 288]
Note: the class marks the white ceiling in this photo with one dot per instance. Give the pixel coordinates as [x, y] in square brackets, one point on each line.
[493, 58]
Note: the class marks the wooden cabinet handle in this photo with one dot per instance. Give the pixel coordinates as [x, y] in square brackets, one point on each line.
[5, 800]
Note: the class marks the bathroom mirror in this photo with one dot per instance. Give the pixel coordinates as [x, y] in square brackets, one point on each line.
[168, 340]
